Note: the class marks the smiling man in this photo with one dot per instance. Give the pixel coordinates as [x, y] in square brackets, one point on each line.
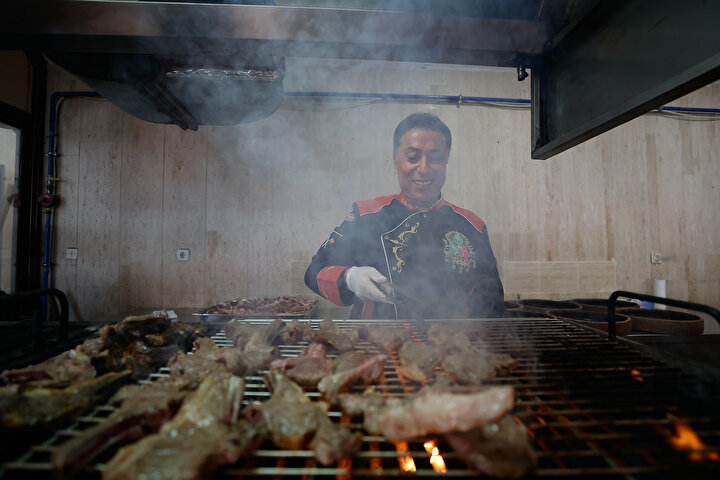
[412, 254]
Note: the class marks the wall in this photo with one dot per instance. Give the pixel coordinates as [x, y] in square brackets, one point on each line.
[253, 202]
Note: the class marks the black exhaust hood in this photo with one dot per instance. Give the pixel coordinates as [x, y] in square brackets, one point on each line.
[594, 64]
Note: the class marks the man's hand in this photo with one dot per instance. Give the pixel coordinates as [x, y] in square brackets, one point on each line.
[368, 284]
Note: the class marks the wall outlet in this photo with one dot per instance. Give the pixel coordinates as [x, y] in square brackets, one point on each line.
[71, 253]
[183, 255]
[656, 257]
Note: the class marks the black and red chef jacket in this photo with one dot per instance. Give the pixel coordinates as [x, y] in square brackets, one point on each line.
[440, 260]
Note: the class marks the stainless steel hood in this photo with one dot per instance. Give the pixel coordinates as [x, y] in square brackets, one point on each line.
[594, 64]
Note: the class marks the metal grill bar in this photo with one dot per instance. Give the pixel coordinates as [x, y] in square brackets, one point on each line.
[591, 408]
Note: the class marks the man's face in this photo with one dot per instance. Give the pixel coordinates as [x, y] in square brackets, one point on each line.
[420, 164]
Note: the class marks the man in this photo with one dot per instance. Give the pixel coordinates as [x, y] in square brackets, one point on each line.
[412, 254]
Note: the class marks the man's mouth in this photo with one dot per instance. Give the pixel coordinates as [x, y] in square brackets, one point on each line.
[422, 183]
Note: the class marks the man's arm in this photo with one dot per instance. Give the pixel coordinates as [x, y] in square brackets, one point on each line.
[487, 296]
[326, 273]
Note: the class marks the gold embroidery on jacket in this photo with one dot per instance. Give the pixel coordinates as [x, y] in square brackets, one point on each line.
[400, 244]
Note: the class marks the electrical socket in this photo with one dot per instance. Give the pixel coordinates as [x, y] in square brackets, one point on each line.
[656, 257]
[183, 255]
[71, 253]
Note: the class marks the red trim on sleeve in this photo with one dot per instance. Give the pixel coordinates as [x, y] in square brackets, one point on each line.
[469, 216]
[327, 281]
[375, 204]
[367, 311]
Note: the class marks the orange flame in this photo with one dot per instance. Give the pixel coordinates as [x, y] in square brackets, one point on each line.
[436, 460]
[636, 375]
[406, 462]
[687, 439]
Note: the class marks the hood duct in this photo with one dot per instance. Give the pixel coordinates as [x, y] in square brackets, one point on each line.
[185, 90]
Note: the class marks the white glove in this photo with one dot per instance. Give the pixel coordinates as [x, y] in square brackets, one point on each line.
[368, 284]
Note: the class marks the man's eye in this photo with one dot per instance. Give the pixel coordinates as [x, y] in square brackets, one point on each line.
[412, 158]
[434, 159]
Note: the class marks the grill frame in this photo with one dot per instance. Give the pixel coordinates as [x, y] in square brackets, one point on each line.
[576, 393]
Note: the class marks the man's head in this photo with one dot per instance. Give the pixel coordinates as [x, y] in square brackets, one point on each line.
[421, 146]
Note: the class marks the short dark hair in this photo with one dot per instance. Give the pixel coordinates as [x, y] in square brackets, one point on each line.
[421, 120]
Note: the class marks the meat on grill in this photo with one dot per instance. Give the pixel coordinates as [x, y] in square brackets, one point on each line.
[205, 361]
[441, 333]
[330, 334]
[431, 412]
[59, 371]
[468, 365]
[198, 440]
[417, 360]
[263, 306]
[141, 343]
[352, 368]
[295, 422]
[142, 409]
[500, 449]
[24, 407]
[384, 338]
[308, 368]
[256, 353]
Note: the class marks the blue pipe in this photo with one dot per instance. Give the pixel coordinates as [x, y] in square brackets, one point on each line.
[406, 96]
[688, 109]
[55, 102]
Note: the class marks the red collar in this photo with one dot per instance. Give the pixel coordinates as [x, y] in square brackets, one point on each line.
[414, 207]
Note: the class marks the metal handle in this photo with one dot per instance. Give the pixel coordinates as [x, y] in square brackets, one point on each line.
[651, 298]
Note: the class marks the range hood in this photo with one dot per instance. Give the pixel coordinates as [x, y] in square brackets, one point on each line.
[594, 64]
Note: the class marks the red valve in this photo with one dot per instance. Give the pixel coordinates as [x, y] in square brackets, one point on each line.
[46, 200]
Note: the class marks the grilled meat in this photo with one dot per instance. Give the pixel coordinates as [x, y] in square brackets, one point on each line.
[500, 449]
[199, 439]
[384, 338]
[30, 407]
[295, 422]
[143, 409]
[296, 331]
[430, 412]
[205, 361]
[333, 442]
[59, 371]
[331, 334]
[417, 360]
[441, 332]
[352, 368]
[264, 306]
[257, 353]
[308, 368]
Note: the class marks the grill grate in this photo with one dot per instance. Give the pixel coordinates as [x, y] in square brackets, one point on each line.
[591, 408]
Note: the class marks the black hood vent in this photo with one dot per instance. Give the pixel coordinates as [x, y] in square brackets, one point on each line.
[185, 90]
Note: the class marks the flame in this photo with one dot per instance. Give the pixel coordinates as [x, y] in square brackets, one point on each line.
[687, 439]
[406, 462]
[436, 460]
[344, 464]
[636, 375]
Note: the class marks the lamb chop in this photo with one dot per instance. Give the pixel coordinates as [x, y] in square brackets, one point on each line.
[384, 338]
[199, 439]
[501, 449]
[468, 365]
[352, 368]
[205, 361]
[59, 371]
[417, 360]
[143, 409]
[331, 334]
[433, 412]
[257, 353]
[296, 331]
[308, 368]
[27, 407]
[295, 422]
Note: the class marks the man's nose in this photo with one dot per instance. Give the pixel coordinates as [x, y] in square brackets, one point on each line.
[423, 165]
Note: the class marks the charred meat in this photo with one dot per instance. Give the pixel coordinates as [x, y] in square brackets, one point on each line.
[59, 371]
[384, 338]
[308, 368]
[352, 368]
